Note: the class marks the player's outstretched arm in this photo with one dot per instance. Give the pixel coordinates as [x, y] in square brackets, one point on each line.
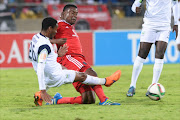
[59, 41]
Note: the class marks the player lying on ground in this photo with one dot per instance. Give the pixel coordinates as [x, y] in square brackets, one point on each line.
[75, 60]
[49, 72]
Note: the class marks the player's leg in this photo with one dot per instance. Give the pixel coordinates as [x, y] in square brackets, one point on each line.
[137, 67]
[147, 39]
[91, 80]
[87, 93]
[159, 60]
[69, 76]
[97, 88]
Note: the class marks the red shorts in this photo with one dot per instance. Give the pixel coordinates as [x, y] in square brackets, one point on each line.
[76, 62]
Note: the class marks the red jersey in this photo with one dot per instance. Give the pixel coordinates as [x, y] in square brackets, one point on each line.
[65, 30]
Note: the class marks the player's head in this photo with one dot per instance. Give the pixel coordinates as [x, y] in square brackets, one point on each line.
[69, 13]
[49, 26]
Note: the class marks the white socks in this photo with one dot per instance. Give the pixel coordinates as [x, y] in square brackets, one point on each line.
[137, 67]
[158, 66]
[90, 80]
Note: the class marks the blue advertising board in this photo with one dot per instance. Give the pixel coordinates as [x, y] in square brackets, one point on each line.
[121, 48]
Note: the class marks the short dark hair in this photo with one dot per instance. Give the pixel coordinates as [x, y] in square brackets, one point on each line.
[68, 6]
[47, 22]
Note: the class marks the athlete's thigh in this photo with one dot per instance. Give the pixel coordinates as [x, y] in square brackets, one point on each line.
[59, 78]
[144, 49]
[160, 49]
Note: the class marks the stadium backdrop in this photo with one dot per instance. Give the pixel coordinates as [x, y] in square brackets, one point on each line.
[100, 48]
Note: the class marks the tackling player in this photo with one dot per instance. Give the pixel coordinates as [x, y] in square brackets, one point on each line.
[156, 29]
[75, 60]
[49, 71]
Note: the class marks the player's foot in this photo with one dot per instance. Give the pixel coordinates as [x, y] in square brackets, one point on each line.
[113, 78]
[108, 102]
[147, 93]
[131, 92]
[37, 99]
[57, 96]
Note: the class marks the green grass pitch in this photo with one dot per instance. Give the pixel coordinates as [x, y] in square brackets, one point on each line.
[17, 87]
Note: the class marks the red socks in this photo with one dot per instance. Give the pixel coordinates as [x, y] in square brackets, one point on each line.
[99, 92]
[70, 100]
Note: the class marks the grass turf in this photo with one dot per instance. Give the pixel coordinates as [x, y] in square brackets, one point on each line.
[17, 87]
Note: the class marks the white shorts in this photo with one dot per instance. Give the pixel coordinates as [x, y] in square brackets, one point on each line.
[178, 39]
[151, 35]
[60, 78]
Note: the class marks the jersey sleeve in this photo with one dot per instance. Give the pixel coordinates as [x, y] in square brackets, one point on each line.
[43, 52]
[137, 3]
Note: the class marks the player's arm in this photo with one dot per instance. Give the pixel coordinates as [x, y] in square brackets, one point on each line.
[59, 41]
[43, 52]
[136, 6]
[176, 15]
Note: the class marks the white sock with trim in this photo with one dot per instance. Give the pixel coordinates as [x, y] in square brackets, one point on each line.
[137, 67]
[158, 66]
[90, 80]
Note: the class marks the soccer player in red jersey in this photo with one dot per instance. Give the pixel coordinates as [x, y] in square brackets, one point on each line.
[75, 60]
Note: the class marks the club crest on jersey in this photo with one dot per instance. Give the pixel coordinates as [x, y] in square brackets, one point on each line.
[67, 75]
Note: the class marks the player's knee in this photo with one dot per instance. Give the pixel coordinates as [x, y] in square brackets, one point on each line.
[91, 72]
[143, 53]
[80, 76]
[159, 54]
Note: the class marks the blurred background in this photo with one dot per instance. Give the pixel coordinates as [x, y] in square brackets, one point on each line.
[26, 15]
[108, 30]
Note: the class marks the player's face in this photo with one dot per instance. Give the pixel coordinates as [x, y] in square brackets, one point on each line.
[53, 31]
[70, 15]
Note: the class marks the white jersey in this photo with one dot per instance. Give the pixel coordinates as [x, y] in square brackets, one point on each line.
[41, 51]
[158, 13]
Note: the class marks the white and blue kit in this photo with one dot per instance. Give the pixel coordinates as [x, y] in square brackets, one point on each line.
[157, 19]
[43, 57]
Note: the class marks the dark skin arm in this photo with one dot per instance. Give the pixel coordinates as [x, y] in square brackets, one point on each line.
[59, 41]
[175, 28]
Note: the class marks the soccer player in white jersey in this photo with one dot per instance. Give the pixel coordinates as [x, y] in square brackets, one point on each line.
[155, 30]
[178, 38]
[49, 72]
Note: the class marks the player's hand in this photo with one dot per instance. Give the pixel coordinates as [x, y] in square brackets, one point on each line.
[62, 50]
[175, 28]
[46, 97]
[138, 9]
